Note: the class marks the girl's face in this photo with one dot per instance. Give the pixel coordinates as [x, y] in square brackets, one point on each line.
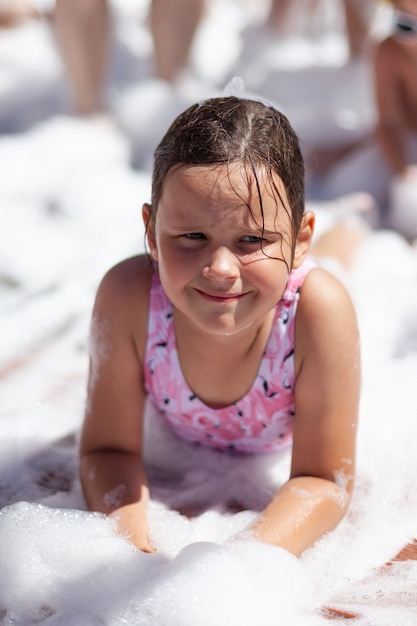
[221, 265]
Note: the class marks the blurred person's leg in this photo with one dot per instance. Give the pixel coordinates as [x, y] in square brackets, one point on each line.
[278, 15]
[284, 15]
[15, 12]
[173, 26]
[83, 33]
[358, 16]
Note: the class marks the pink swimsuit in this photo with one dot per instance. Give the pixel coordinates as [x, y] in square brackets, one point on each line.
[259, 422]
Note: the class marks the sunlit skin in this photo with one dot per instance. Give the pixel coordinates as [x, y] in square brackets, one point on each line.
[224, 271]
[396, 91]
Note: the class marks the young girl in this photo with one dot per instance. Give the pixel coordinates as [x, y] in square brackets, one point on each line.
[238, 339]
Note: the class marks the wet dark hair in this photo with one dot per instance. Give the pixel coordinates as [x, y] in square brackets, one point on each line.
[234, 130]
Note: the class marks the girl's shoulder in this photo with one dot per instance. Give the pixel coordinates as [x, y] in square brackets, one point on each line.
[323, 292]
[325, 308]
[129, 280]
[122, 299]
[326, 319]
[136, 269]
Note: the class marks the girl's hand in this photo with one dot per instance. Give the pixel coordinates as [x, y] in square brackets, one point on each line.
[131, 529]
[143, 545]
[140, 541]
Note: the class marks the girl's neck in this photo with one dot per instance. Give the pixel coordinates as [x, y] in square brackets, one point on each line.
[230, 346]
[220, 370]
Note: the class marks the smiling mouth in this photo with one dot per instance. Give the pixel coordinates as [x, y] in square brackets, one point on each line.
[221, 297]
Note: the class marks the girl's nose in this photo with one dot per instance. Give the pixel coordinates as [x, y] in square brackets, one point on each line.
[222, 265]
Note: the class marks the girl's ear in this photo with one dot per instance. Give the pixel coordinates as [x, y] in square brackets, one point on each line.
[149, 222]
[304, 238]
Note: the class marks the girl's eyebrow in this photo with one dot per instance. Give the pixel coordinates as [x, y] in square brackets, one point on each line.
[262, 229]
[185, 224]
[268, 231]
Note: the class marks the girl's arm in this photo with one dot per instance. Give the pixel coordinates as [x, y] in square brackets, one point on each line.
[111, 465]
[317, 495]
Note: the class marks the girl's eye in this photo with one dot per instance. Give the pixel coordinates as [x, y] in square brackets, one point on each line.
[253, 239]
[194, 236]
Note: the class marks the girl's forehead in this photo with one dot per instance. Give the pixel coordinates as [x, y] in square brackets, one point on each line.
[251, 184]
[225, 191]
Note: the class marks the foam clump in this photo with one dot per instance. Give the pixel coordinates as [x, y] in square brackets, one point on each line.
[240, 583]
[56, 562]
[59, 566]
